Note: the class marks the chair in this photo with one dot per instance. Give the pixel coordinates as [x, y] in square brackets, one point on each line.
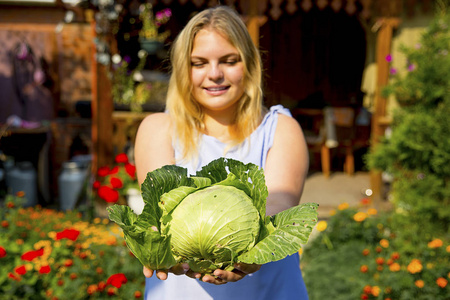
[331, 128]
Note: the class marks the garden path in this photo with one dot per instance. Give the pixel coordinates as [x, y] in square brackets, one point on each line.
[332, 191]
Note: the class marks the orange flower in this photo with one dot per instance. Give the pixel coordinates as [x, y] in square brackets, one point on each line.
[415, 266]
[137, 294]
[375, 291]
[372, 211]
[364, 297]
[20, 194]
[360, 216]
[367, 289]
[419, 283]
[343, 206]
[384, 243]
[92, 289]
[395, 267]
[364, 269]
[366, 252]
[436, 243]
[441, 282]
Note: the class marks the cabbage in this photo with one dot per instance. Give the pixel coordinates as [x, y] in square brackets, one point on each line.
[211, 220]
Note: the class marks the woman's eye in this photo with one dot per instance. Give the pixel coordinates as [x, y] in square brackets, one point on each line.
[197, 64]
[231, 62]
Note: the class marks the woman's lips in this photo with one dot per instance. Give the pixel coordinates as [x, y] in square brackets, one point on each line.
[216, 90]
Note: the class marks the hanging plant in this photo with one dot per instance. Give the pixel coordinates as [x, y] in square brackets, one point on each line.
[150, 37]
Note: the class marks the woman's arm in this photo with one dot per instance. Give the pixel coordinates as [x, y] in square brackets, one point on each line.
[152, 150]
[153, 146]
[286, 166]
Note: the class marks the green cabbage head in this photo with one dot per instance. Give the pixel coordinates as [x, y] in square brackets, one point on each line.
[211, 220]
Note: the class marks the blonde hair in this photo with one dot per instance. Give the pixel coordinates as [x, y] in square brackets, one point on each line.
[185, 111]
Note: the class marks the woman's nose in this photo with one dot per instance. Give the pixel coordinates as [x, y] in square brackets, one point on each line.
[215, 72]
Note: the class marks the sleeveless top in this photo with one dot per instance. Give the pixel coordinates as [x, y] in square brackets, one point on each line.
[275, 280]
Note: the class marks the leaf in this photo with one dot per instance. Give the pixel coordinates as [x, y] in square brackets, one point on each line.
[292, 229]
[157, 183]
[150, 247]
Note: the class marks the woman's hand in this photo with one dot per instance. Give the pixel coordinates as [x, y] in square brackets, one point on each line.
[179, 269]
[239, 272]
[218, 277]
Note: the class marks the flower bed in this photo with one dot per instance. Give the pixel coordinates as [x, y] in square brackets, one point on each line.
[360, 253]
[46, 254]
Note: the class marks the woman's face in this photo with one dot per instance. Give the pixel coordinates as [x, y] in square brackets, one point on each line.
[217, 72]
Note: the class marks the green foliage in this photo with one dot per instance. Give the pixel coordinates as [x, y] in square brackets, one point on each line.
[417, 153]
[68, 258]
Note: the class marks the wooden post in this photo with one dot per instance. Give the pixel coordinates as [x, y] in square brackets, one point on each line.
[102, 109]
[384, 42]
[254, 21]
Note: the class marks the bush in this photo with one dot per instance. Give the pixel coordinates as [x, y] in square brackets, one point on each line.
[417, 153]
[363, 254]
[46, 254]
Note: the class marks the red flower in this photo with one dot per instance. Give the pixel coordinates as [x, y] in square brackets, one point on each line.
[114, 170]
[5, 224]
[2, 252]
[108, 194]
[137, 294]
[395, 256]
[10, 204]
[111, 291]
[116, 182]
[71, 234]
[45, 269]
[364, 297]
[30, 255]
[101, 286]
[20, 270]
[117, 280]
[103, 171]
[131, 170]
[68, 262]
[14, 276]
[96, 184]
[380, 260]
[121, 158]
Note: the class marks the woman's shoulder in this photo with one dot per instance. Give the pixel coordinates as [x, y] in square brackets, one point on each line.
[155, 126]
[159, 120]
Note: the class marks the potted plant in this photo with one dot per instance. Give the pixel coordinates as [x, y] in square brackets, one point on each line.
[128, 88]
[150, 37]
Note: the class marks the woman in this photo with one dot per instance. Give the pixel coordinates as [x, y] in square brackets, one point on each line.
[214, 109]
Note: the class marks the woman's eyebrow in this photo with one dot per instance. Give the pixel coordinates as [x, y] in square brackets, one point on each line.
[232, 55]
